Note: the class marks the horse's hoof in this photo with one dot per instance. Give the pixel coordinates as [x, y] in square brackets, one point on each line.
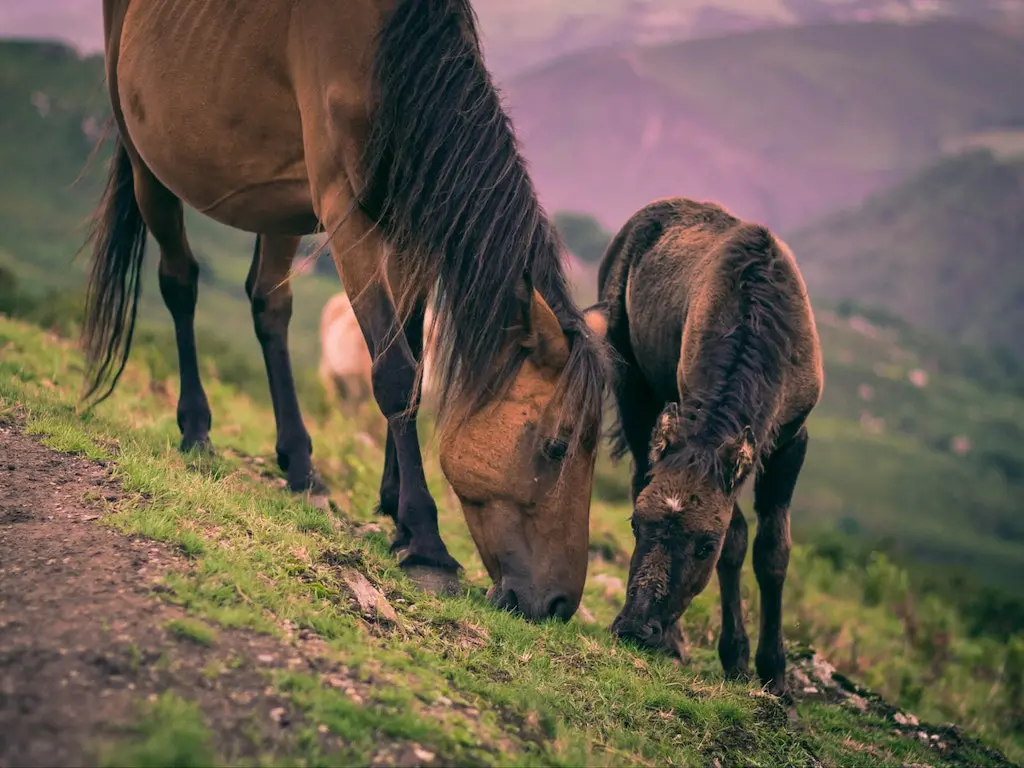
[739, 675]
[200, 445]
[436, 581]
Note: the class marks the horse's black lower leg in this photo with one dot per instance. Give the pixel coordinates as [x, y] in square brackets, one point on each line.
[179, 287]
[390, 482]
[773, 491]
[394, 375]
[270, 295]
[733, 643]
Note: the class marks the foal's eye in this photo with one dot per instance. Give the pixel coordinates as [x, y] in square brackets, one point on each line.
[555, 449]
[704, 550]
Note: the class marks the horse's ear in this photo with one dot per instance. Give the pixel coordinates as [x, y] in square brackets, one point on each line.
[738, 458]
[596, 318]
[665, 434]
[545, 338]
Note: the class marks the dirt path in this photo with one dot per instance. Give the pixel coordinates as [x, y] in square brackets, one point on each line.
[83, 639]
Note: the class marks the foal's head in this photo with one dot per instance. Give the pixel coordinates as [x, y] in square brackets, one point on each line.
[522, 469]
[680, 520]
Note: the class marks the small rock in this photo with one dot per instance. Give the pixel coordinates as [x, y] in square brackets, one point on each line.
[857, 702]
[265, 658]
[905, 719]
[809, 689]
[322, 728]
[371, 602]
[422, 755]
[279, 716]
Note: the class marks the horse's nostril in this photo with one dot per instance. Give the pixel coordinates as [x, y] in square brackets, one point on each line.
[559, 607]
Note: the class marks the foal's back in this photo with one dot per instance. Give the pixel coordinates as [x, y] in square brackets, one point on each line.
[681, 272]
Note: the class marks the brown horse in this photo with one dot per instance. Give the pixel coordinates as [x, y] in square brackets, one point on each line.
[346, 370]
[719, 368]
[376, 120]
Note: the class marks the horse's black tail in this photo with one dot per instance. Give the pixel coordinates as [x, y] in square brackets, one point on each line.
[118, 238]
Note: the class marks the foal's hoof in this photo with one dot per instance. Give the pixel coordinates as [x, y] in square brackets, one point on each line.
[435, 581]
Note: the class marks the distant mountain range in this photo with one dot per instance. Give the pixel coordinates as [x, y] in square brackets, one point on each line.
[520, 34]
[781, 125]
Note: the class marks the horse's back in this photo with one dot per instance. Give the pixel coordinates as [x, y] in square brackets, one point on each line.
[207, 95]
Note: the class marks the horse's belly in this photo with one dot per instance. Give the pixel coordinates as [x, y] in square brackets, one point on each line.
[213, 115]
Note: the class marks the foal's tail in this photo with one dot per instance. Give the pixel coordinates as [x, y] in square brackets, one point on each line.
[118, 237]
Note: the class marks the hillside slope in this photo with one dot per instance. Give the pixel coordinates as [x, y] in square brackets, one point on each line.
[942, 251]
[783, 126]
[261, 604]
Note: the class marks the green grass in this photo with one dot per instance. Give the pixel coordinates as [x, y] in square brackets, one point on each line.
[192, 630]
[170, 732]
[468, 683]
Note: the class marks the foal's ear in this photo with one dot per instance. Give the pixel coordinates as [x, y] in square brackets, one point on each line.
[596, 318]
[738, 457]
[545, 338]
[666, 433]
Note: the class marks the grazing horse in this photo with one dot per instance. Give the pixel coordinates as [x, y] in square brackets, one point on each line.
[346, 370]
[719, 367]
[377, 121]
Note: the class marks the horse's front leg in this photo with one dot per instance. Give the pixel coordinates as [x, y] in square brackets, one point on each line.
[390, 482]
[358, 258]
[773, 491]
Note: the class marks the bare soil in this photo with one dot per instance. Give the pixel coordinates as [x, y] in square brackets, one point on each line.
[84, 639]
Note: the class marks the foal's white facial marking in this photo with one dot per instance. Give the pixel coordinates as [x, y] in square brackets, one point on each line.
[674, 503]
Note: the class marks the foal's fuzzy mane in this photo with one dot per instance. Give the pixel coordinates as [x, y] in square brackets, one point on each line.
[743, 368]
[447, 183]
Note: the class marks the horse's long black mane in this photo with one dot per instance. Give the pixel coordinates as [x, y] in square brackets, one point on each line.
[449, 187]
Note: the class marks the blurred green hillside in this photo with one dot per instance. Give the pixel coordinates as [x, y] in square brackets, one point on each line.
[52, 106]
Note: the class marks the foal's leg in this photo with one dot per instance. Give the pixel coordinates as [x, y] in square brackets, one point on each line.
[179, 286]
[270, 295]
[390, 482]
[733, 644]
[773, 491]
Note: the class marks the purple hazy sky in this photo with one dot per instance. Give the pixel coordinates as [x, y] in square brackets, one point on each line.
[79, 22]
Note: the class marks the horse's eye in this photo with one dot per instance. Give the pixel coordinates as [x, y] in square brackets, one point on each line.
[555, 449]
[704, 550]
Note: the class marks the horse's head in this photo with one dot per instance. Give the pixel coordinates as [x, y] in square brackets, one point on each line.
[524, 491]
[680, 521]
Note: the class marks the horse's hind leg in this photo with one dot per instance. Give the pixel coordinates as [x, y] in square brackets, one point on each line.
[773, 491]
[179, 286]
[733, 643]
[390, 482]
[270, 295]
